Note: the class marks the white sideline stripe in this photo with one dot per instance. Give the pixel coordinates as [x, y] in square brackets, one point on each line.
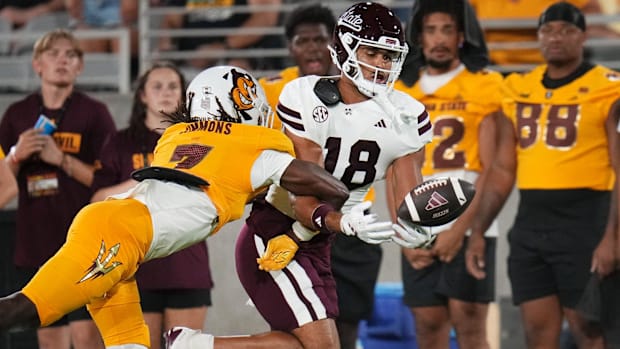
[411, 207]
[299, 309]
[305, 284]
[458, 190]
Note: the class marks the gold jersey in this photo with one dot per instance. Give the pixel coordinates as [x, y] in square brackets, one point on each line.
[221, 153]
[456, 111]
[561, 135]
[274, 85]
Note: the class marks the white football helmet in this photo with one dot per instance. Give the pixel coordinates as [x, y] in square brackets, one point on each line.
[368, 24]
[228, 93]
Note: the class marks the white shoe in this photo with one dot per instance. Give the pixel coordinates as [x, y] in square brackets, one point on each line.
[186, 338]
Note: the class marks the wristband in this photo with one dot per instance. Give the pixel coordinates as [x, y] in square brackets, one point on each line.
[319, 214]
[301, 233]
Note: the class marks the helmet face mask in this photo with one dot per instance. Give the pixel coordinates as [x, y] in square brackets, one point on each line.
[227, 93]
[375, 26]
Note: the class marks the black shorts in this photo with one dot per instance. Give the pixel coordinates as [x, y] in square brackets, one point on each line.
[355, 265]
[156, 301]
[434, 285]
[23, 276]
[550, 262]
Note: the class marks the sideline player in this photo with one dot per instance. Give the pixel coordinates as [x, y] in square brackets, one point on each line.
[461, 102]
[563, 116]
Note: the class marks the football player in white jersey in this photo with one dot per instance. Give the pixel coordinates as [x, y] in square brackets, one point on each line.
[360, 130]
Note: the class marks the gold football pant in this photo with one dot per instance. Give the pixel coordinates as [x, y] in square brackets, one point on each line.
[96, 266]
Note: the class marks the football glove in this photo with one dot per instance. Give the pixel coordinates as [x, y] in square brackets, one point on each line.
[362, 225]
[279, 252]
[412, 235]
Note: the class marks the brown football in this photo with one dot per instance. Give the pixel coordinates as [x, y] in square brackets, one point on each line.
[436, 201]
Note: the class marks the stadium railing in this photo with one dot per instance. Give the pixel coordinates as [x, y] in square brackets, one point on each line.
[150, 16]
[101, 70]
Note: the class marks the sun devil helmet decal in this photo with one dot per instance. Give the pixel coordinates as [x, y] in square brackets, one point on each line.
[228, 93]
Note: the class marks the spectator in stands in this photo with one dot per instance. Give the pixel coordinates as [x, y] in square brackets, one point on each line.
[561, 126]
[523, 10]
[8, 185]
[106, 14]
[175, 290]
[308, 30]
[54, 171]
[461, 101]
[220, 17]
[20, 12]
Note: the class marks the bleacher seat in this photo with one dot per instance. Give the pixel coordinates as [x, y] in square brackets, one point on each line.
[44, 23]
[101, 71]
[5, 28]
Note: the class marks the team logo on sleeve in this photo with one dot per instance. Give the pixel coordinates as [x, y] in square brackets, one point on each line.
[320, 114]
[103, 263]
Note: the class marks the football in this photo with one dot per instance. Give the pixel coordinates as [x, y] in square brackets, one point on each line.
[436, 201]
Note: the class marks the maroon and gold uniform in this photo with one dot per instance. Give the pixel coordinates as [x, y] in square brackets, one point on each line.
[456, 111]
[108, 240]
[187, 269]
[564, 176]
[562, 140]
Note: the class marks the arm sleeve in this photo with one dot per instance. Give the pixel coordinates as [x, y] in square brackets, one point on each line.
[269, 167]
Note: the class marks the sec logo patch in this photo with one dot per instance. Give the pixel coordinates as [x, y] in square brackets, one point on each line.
[320, 114]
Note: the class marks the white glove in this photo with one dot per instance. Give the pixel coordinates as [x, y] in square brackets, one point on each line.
[412, 236]
[362, 225]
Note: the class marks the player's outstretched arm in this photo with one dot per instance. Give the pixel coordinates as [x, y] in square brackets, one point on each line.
[304, 178]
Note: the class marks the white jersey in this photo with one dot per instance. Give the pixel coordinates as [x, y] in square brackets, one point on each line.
[360, 141]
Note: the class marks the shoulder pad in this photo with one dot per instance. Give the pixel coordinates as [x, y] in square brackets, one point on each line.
[327, 91]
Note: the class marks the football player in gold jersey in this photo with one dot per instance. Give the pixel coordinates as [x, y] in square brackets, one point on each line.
[563, 115]
[462, 102]
[214, 159]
